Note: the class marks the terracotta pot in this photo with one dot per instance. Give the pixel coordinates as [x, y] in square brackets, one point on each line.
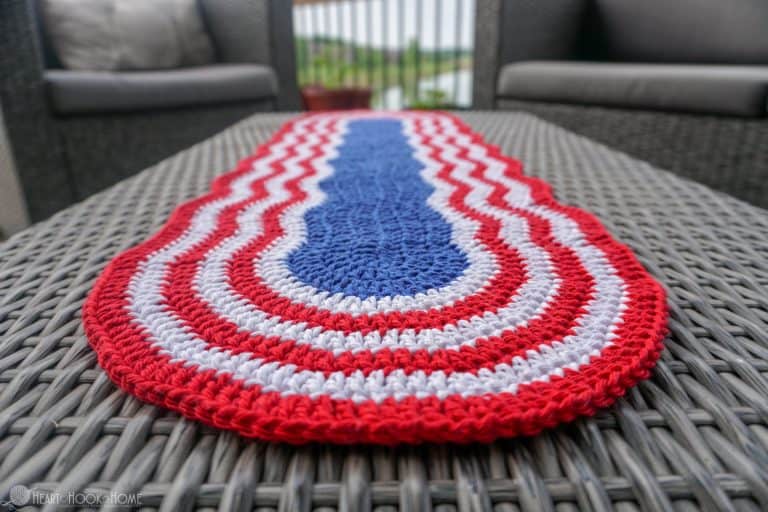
[317, 97]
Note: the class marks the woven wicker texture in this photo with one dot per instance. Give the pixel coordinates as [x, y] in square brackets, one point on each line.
[729, 154]
[695, 435]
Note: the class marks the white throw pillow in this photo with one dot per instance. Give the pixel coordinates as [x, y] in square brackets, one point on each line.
[110, 35]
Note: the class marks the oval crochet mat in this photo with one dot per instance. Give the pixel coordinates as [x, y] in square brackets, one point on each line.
[376, 277]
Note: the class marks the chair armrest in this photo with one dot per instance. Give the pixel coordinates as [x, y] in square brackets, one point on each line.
[513, 30]
[283, 53]
[21, 60]
[30, 127]
[256, 31]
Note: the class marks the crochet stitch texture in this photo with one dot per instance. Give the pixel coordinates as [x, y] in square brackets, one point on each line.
[377, 277]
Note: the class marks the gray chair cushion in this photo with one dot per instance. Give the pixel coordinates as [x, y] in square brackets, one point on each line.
[702, 31]
[726, 90]
[540, 29]
[80, 92]
[239, 29]
[109, 35]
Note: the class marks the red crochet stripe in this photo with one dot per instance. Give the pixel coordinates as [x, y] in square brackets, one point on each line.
[250, 286]
[508, 279]
[576, 289]
[487, 352]
[218, 400]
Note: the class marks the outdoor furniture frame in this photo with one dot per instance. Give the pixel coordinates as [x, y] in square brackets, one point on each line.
[63, 158]
[727, 153]
[693, 436]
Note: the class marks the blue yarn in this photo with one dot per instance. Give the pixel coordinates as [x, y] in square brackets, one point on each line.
[375, 235]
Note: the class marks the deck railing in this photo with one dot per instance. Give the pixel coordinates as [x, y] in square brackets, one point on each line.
[411, 53]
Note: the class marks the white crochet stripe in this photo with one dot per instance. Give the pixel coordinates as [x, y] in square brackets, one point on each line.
[151, 272]
[214, 288]
[596, 329]
[271, 267]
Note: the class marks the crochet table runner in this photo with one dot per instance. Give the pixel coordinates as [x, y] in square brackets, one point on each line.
[372, 277]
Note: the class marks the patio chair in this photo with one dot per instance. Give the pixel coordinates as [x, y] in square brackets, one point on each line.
[683, 85]
[76, 132]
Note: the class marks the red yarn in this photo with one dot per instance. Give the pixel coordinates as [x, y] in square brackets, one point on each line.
[126, 352]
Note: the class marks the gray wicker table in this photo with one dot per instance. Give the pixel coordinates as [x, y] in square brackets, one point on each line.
[694, 436]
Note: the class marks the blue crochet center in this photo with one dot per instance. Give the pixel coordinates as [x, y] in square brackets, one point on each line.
[375, 235]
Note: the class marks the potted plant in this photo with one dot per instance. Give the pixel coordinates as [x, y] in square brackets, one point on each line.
[333, 94]
[432, 99]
